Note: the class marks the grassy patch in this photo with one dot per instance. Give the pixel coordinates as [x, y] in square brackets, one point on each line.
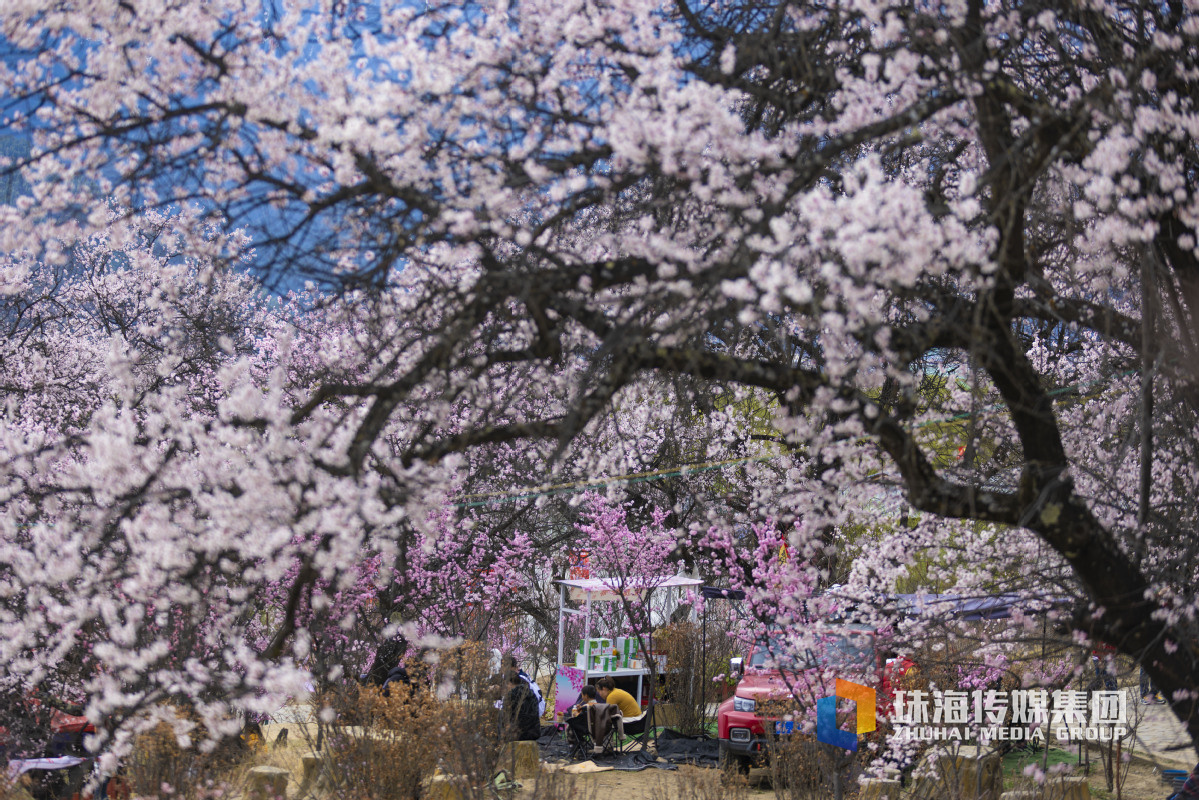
[1015, 762]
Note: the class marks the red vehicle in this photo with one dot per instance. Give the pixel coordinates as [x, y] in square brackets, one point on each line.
[848, 651]
[61, 768]
[67, 733]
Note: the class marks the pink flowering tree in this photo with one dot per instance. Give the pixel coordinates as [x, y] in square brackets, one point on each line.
[457, 580]
[631, 560]
[339, 617]
[793, 612]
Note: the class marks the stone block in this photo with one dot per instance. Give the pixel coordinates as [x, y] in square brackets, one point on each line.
[972, 773]
[879, 789]
[312, 773]
[521, 759]
[1070, 788]
[267, 782]
[443, 787]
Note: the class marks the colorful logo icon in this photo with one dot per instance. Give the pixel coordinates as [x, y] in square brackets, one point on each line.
[826, 715]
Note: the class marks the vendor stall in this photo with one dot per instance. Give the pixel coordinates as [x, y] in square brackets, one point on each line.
[621, 657]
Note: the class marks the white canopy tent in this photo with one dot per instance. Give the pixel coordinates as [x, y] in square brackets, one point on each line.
[602, 590]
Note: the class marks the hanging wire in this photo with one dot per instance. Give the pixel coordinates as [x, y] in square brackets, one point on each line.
[548, 490]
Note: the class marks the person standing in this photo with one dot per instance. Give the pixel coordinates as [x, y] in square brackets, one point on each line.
[397, 676]
[533, 687]
[388, 656]
[1149, 692]
[522, 722]
[1104, 679]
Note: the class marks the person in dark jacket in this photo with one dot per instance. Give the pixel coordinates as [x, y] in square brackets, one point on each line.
[389, 655]
[521, 721]
[512, 664]
[397, 676]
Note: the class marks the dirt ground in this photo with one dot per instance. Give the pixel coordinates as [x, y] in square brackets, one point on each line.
[1142, 781]
[685, 783]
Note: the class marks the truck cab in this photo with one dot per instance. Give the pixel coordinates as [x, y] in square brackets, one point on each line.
[773, 679]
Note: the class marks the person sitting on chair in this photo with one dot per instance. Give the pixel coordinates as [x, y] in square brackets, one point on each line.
[608, 693]
[586, 698]
[576, 723]
[521, 720]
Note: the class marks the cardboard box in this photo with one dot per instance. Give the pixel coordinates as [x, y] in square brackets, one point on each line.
[593, 647]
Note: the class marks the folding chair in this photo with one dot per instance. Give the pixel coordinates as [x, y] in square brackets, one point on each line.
[639, 728]
[606, 739]
[582, 745]
[578, 734]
